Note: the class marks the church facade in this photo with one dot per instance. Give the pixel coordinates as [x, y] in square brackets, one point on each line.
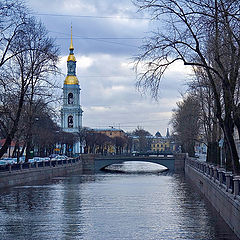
[71, 112]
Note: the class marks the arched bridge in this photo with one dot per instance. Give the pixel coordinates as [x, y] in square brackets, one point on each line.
[170, 162]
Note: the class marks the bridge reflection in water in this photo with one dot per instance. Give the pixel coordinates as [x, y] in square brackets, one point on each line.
[135, 167]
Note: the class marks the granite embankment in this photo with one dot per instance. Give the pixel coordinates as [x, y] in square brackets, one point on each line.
[221, 188]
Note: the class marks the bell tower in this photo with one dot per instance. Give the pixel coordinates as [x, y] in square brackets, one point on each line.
[71, 112]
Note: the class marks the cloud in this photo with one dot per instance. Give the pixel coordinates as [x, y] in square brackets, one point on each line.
[102, 109]
[87, 30]
[116, 90]
[104, 48]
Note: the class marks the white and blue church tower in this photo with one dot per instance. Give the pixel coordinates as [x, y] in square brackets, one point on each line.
[71, 112]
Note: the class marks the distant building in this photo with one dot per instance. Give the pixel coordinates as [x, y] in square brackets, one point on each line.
[162, 144]
[110, 132]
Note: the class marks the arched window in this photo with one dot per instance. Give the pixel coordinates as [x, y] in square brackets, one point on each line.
[70, 98]
[70, 121]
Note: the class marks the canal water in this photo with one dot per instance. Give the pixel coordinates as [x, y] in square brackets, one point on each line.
[110, 206]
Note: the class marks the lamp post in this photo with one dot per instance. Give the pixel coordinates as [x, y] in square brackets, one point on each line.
[220, 144]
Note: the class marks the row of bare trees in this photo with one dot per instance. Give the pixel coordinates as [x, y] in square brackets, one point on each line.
[186, 124]
[27, 58]
[205, 35]
[96, 142]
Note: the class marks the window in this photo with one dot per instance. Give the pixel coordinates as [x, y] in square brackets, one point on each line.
[70, 98]
[70, 121]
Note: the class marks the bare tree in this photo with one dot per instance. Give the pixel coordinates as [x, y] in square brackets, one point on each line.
[13, 15]
[185, 122]
[210, 131]
[203, 34]
[143, 141]
[25, 75]
[119, 143]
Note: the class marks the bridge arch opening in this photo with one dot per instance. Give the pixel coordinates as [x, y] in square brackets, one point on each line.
[135, 167]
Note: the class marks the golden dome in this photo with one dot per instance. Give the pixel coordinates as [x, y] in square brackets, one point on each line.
[70, 80]
[71, 57]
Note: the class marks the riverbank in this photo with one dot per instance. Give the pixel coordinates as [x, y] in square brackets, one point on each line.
[33, 172]
[220, 188]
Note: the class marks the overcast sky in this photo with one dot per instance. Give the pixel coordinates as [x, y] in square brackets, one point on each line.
[107, 35]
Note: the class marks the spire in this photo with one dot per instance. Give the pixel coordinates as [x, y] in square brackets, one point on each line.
[71, 48]
[71, 45]
[167, 135]
[71, 66]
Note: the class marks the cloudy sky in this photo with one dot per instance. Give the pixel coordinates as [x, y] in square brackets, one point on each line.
[107, 35]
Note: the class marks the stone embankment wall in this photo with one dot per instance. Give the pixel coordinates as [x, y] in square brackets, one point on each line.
[221, 188]
[88, 163]
[179, 162]
[30, 173]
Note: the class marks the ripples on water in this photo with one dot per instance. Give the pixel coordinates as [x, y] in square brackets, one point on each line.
[110, 206]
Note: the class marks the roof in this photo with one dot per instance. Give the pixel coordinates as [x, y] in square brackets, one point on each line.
[107, 129]
[158, 134]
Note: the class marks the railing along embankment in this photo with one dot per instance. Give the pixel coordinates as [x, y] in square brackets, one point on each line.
[26, 173]
[220, 187]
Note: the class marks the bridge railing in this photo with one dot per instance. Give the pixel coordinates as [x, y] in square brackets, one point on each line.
[44, 164]
[120, 156]
[226, 180]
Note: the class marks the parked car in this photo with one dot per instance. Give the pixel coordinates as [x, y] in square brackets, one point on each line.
[8, 160]
[3, 162]
[53, 155]
[31, 160]
[61, 157]
[22, 159]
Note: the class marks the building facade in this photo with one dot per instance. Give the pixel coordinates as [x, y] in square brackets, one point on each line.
[163, 143]
[160, 144]
[71, 112]
[110, 132]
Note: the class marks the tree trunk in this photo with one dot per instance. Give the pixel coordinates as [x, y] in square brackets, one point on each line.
[231, 146]
[29, 144]
[23, 149]
[10, 135]
[189, 148]
[16, 147]
[213, 153]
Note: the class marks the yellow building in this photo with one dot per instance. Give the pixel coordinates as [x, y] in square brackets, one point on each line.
[160, 144]
[111, 132]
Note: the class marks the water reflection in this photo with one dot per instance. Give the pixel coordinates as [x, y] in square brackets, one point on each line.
[110, 206]
[136, 167]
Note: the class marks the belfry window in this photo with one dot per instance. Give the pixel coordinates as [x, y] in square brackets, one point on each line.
[70, 121]
[70, 98]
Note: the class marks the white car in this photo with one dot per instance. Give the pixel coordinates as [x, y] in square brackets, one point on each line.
[60, 157]
[8, 160]
[3, 162]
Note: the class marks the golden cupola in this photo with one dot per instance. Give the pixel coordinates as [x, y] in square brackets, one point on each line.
[71, 66]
